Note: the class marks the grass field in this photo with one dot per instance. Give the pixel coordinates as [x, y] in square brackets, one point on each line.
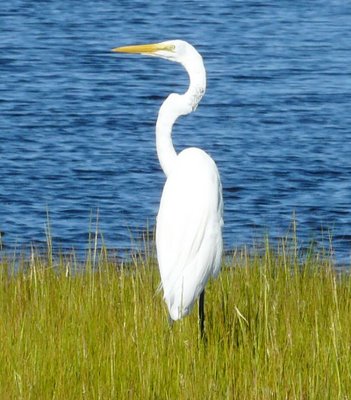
[278, 327]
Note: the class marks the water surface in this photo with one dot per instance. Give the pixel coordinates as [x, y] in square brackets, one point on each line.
[77, 122]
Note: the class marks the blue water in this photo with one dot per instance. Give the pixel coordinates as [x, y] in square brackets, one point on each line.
[77, 121]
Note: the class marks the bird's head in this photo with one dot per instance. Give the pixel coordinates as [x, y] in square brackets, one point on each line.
[181, 52]
[173, 50]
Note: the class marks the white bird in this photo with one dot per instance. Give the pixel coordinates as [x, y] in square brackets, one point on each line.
[190, 218]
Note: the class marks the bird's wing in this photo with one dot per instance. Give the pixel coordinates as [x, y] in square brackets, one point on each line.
[188, 234]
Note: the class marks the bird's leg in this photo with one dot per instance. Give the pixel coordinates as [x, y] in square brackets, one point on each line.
[202, 314]
[170, 321]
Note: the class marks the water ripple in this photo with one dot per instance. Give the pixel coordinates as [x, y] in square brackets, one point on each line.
[77, 123]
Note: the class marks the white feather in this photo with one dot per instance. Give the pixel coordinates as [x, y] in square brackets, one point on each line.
[189, 222]
[188, 234]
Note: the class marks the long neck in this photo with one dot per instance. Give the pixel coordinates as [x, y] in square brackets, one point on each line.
[176, 105]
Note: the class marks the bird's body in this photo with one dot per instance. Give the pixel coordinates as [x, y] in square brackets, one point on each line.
[188, 231]
[190, 217]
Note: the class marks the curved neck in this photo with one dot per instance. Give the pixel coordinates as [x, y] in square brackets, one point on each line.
[176, 105]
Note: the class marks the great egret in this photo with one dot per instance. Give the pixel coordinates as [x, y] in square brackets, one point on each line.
[190, 218]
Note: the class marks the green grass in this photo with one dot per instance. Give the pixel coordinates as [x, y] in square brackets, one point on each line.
[278, 327]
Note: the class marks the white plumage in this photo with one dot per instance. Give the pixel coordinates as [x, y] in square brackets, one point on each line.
[190, 218]
[188, 234]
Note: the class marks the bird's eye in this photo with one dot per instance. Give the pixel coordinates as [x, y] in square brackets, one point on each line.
[172, 47]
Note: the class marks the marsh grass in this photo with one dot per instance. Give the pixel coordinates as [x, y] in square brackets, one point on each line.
[277, 327]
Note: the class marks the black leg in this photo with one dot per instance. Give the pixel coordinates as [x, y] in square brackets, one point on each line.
[202, 314]
[170, 321]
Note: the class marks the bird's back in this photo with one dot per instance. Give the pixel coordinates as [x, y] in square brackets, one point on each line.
[188, 233]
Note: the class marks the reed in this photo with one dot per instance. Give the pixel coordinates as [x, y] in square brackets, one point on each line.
[278, 327]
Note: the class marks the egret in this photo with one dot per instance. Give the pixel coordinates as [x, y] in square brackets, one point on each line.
[190, 218]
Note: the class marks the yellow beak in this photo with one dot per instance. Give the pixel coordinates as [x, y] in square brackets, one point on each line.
[144, 48]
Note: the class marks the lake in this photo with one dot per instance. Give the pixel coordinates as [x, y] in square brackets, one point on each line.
[77, 122]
